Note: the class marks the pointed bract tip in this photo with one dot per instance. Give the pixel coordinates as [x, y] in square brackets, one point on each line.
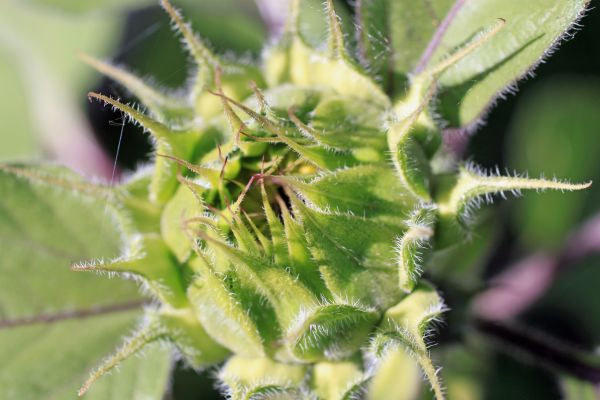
[194, 45]
[150, 95]
[145, 335]
[105, 99]
[155, 128]
[78, 267]
[486, 179]
[474, 183]
[168, 7]
[86, 58]
[97, 96]
[586, 185]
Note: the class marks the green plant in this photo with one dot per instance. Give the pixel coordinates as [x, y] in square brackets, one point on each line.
[292, 208]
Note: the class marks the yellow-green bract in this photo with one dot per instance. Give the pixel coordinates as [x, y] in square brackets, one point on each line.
[293, 206]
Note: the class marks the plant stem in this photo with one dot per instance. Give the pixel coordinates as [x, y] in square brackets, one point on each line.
[541, 348]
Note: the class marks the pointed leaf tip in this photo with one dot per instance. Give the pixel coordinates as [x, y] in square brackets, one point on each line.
[473, 182]
[158, 130]
[124, 77]
[158, 102]
[59, 180]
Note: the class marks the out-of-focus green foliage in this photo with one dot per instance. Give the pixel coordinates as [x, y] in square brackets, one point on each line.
[84, 7]
[16, 142]
[556, 131]
[574, 296]
[39, 65]
[574, 389]
[39, 46]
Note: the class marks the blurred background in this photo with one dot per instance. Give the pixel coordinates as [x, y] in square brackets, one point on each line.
[543, 265]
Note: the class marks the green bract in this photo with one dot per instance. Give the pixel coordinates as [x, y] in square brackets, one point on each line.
[293, 206]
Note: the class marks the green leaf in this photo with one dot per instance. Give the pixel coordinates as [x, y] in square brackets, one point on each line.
[149, 260]
[223, 306]
[75, 6]
[183, 205]
[346, 125]
[459, 195]
[373, 37]
[330, 332]
[554, 132]
[412, 139]
[283, 291]
[252, 370]
[183, 329]
[532, 29]
[22, 145]
[415, 312]
[301, 261]
[374, 192]
[412, 27]
[276, 228]
[394, 34]
[56, 324]
[355, 255]
[47, 81]
[367, 191]
[315, 154]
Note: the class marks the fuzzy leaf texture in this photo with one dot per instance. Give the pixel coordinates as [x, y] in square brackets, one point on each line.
[54, 324]
[272, 232]
[416, 35]
[534, 29]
